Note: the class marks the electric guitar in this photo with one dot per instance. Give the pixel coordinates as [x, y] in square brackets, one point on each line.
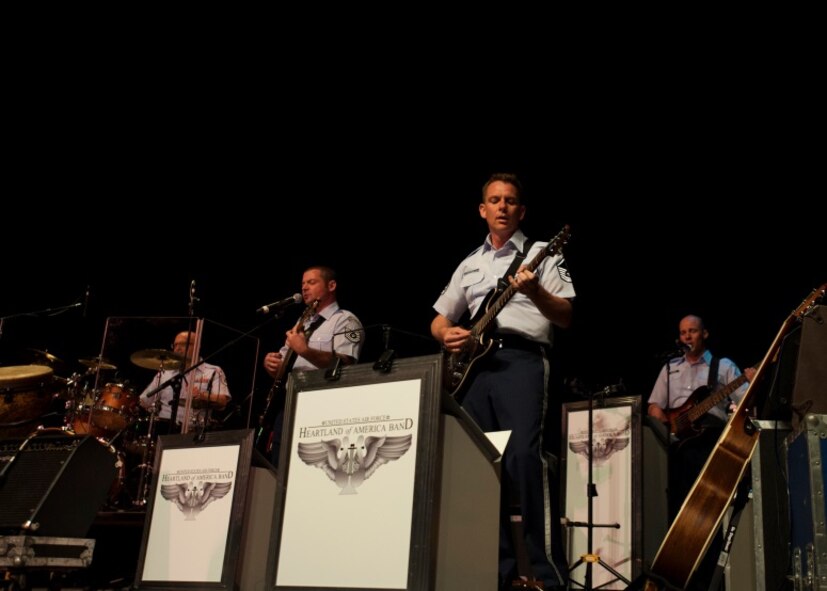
[457, 367]
[264, 438]
[691, 533]
[683, 420]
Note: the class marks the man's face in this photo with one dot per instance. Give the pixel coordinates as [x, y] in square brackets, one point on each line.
[693, 333]
[314, 287]
[501, 207]
[183, 344]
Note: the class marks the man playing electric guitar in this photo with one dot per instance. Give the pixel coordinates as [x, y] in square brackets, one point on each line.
[330, 333]
[508, 389]
[678, 380]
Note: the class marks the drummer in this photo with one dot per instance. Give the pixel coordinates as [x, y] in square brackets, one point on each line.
[206, 385]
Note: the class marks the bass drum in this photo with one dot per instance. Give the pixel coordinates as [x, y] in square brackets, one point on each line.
[25, 394]
[136, 439]
[114, 498]
[82, 423]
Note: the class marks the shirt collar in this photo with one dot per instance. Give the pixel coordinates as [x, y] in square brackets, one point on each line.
[516, 242]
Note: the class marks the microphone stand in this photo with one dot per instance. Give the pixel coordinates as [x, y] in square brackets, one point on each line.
[36, 313]
[590, 558]
[385, 361]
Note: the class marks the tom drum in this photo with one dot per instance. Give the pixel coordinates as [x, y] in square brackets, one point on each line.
[116, 407]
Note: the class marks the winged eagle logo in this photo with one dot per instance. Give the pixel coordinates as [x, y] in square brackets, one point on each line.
[350, 464]
[193, 497]
[606, 441]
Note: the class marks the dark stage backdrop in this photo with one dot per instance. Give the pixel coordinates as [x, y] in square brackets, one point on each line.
[655, 235]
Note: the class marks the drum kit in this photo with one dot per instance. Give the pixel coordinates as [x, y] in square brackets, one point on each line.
[93, 403]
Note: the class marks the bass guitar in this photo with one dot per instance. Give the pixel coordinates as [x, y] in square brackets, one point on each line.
[683, 421]
[457, 367]
[692, 532]
[264, 438]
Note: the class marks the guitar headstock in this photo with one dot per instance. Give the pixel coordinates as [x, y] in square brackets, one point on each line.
[556, 244]
[810, 301]
[309, 311]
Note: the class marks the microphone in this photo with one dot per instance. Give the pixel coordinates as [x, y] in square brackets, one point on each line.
[193, 299]
[296, 298]
[86, 301]
[680, 349]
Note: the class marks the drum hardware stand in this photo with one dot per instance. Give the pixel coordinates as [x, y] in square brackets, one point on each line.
[147, 456]
[590, 557]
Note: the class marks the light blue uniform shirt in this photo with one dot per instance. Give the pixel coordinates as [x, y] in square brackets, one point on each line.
[478, 274]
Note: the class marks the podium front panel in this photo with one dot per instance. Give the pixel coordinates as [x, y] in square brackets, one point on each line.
[359, 479]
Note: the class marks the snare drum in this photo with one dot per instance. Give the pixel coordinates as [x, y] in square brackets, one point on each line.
[116, 407]
[136, 439]
[25, 394]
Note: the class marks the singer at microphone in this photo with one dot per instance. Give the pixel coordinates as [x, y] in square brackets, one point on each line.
[329, 335]
[679, 397]
[296, 298]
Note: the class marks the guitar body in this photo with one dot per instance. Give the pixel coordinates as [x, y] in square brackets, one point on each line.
[685, 429]
[267, 418]
[691, 533]
[458, 368]
[685, 421]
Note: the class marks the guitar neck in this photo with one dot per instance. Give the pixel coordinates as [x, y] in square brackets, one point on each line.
[500, 301]
[703, 407]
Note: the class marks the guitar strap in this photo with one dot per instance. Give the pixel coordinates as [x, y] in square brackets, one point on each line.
[502, 283]
[712, 380]
[314, 325]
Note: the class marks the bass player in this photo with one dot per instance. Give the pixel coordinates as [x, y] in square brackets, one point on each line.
[683, 382]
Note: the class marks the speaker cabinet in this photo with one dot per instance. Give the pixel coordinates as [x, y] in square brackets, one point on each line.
[52, 483]
[810, 387]
[759, 557]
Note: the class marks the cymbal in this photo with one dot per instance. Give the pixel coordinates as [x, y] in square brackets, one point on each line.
[97, 363]
[156, 359]
[39, 357]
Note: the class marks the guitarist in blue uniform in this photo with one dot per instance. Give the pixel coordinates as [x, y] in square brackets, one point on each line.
[684, 380]
[329, 332]
[506, 388]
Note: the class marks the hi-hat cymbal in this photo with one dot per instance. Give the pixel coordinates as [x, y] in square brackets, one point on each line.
[156, 359]
[97, 363]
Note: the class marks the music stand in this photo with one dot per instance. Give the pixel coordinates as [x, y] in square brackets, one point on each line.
[590, 558]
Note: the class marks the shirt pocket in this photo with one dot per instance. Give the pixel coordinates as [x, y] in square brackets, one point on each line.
[322, 342]
[473, 284]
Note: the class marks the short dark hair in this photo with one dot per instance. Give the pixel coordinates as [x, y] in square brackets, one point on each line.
[504, 177]
[327, 273]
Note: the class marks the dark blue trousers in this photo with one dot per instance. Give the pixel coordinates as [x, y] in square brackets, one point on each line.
[509, 393]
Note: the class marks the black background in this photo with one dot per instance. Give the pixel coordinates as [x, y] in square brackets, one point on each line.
[699, 212]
